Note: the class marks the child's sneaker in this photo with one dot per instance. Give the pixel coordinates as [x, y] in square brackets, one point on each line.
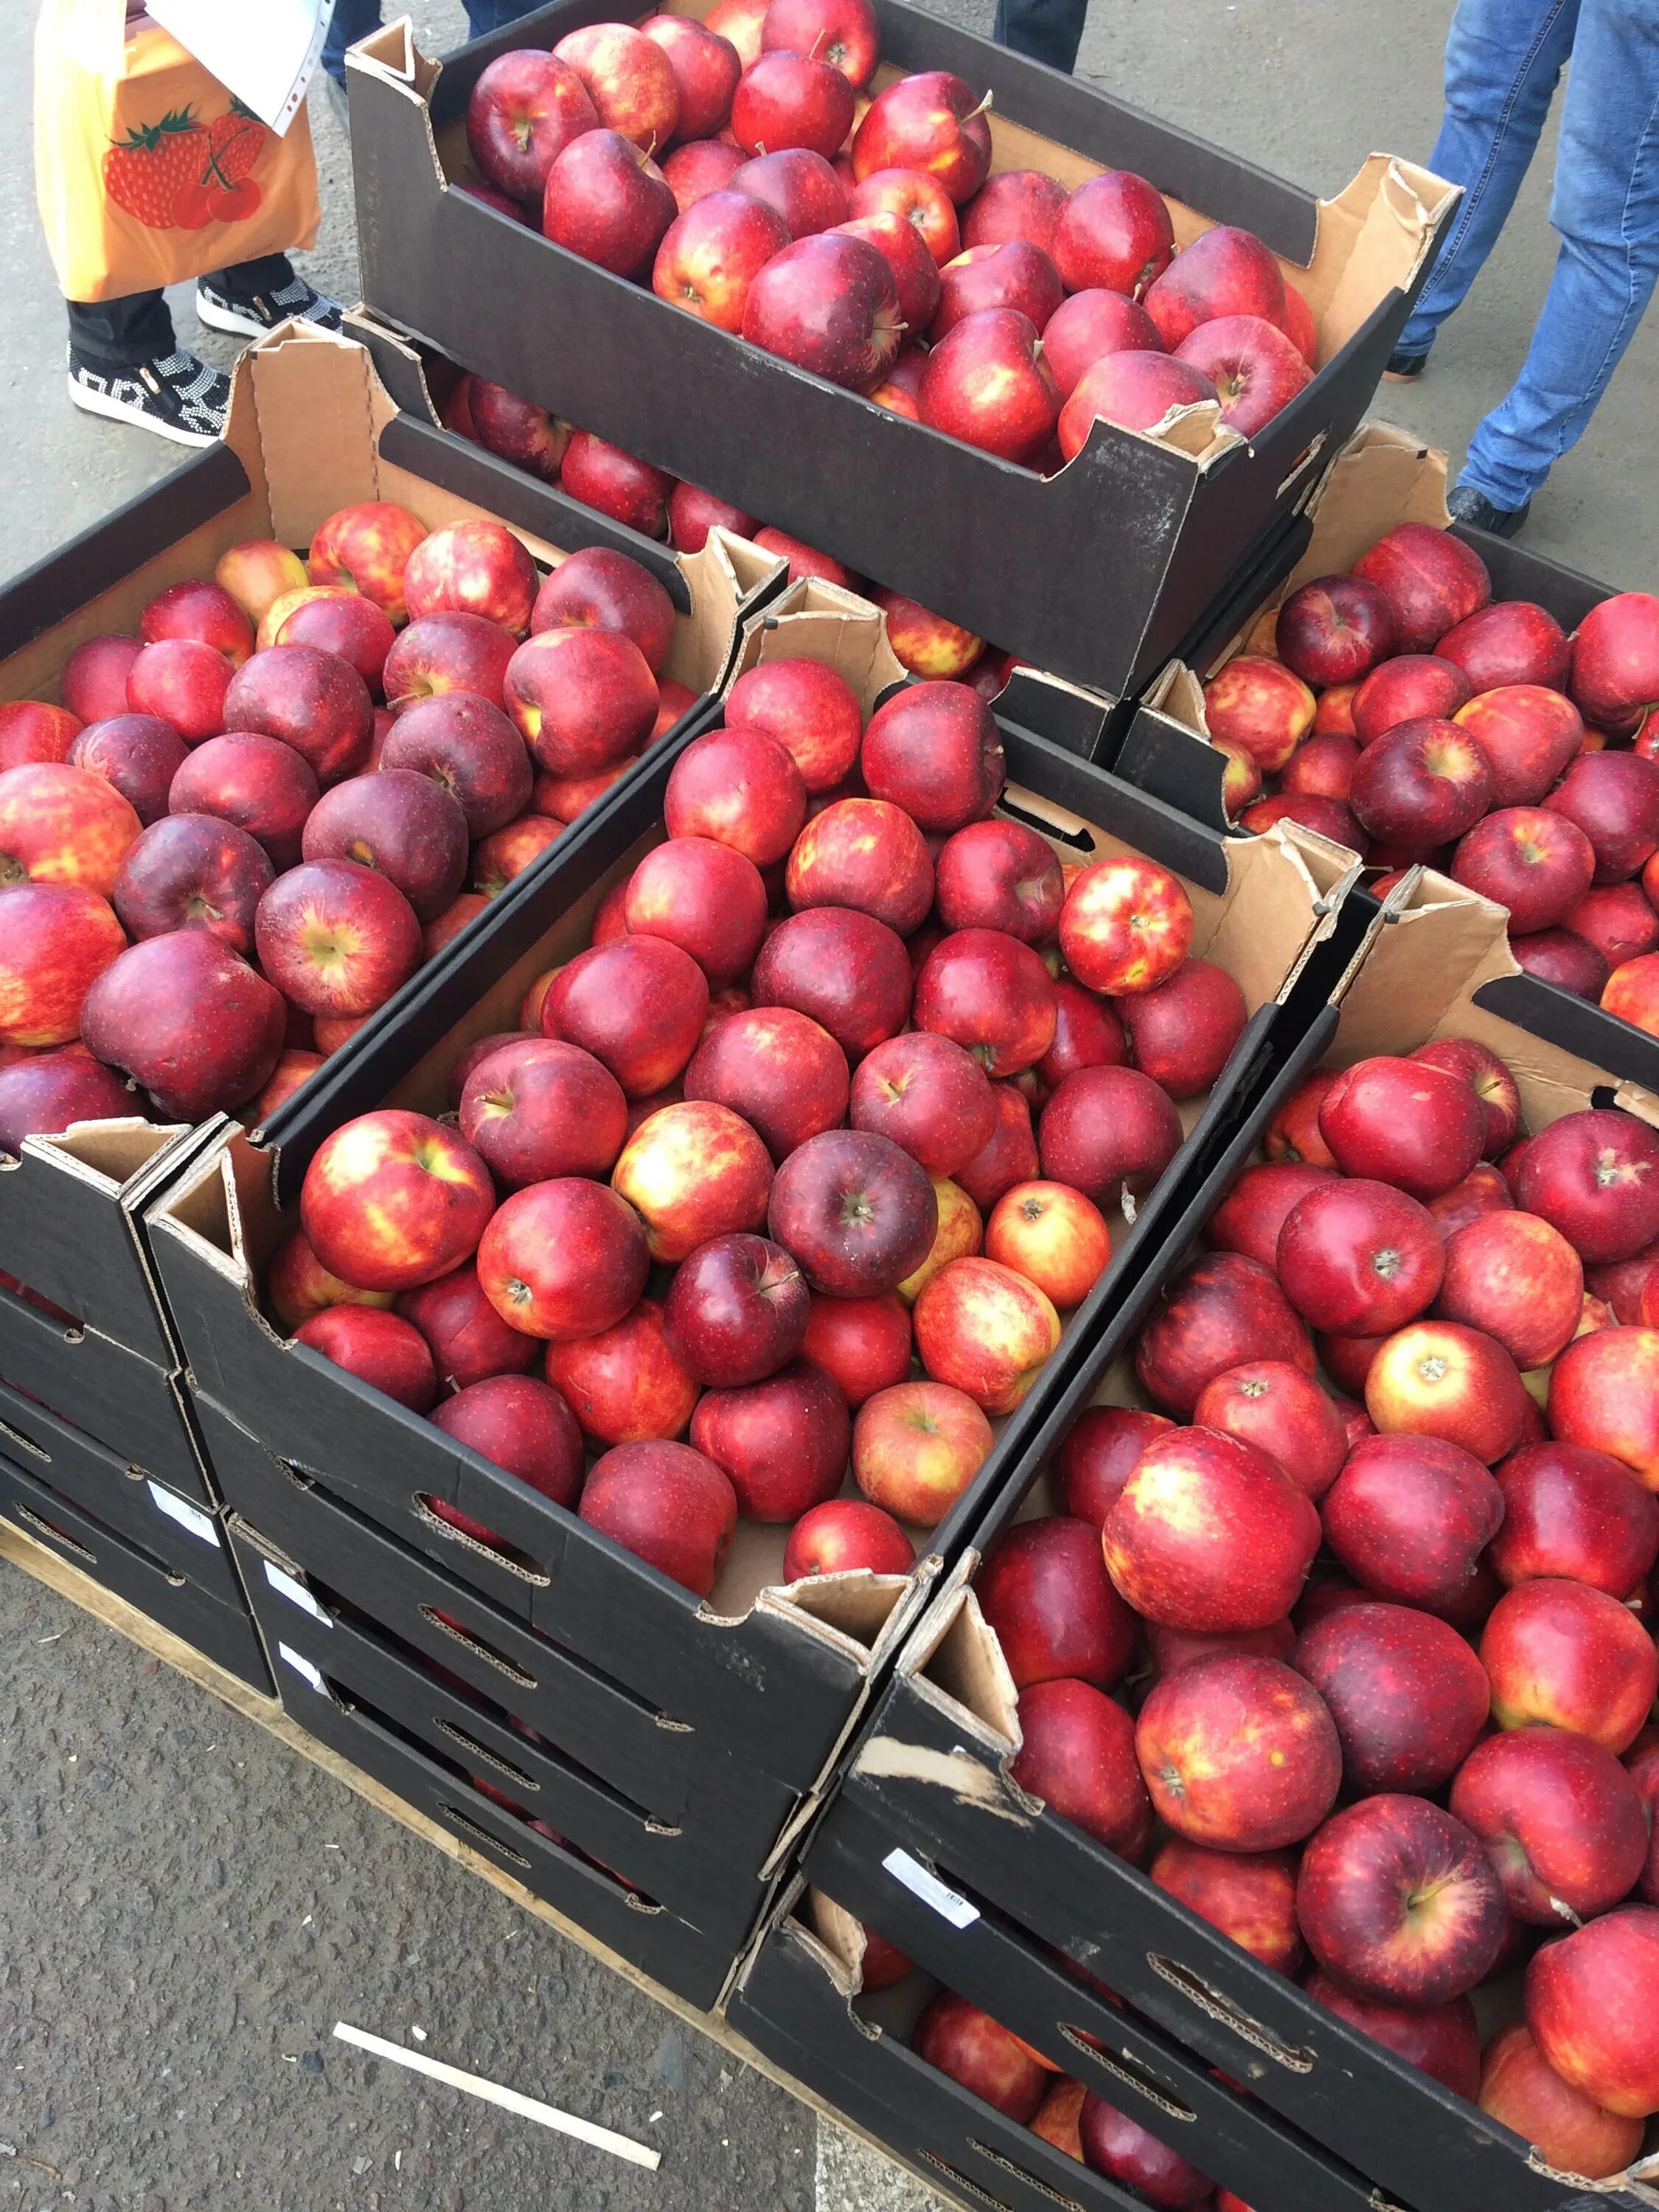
[177, 397]
[253, 317]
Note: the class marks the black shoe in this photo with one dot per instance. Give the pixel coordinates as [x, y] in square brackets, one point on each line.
[179, 396]
[1404, 367]
[1476, 511]
[253, 317]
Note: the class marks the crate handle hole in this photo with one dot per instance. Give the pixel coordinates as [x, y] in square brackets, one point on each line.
[492, 1843]
[476, 1750]
[1221, 2009]
[25, 1443]
[452, 1628]
[1126, 2069]
[989, 2152]
[34, 1521]
[970, 2188]
[500, 1551]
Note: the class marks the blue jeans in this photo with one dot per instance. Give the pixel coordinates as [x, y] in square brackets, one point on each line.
[355, 19]
[1503, 60]
[1047, 30]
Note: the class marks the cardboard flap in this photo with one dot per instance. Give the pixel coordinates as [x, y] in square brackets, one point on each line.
[317, 400]
[815, 620]
[208, 1210]
[1372, 237]
[392, 54]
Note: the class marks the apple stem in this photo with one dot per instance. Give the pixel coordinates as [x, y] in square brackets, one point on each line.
[984, 108]
[1559, 1905]
[1127, 1202]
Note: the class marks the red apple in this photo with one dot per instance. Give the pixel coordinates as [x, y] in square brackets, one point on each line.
[737, 1310]
[637, 1005]
[671, 1506]
[472, 568]
[1408, 1696]
[1613, 797]
[1397, 1901]
[1182, 1033]
[1536, 863]
[1590, 2008]
[992, 994]
[1113, 232]
[535, 1108]
[1322, 767]
[1110, 1132]
[1359, 1258]
[583, 699]
[507, 853]
[1561, 1820]
[864, 854]
[469, 1340]
[1009, 1159]
[843, 32]
[1568, 2129]
[470, 749]
[48, 1092]
[783, 1442]
[30, 729]
[393, 1199]
[1510, 642]
[986, 383]
[1043, 1589]
[517, 430]
[189, 1021]
[1617, 919]
[692, 512]
[257, 783]
[403, 825]
[806, 707]
[297, 1285]
[628, 77]
[1087, 327]
[1249, 1218]
[1423, 784]
[1334, 630]
[387, 1353]
[929, 1096]
[1015, 274]
[784, 1073]
[336, 937]
[1443, 2040]
[1560, 957]
[1284, 1413]
[1017, 203]
[1054, 1237]
[827, 304]
[1574, 1513]
[857, 1213]
[1517, 1278]
[741, 787]
[1249, 1895]
[693, 1171]
[1239, 1752]
[1604, 1393]
[1221, 1311]
[1096, 1456]
[525, 108]
[565, 1258]
[787, 99]
[916, 198]
[312, 700]
[847, 1535]
[1561, 1654]
[704, 897]
[1594, 1176]
[138, 754]
[800, 186]
[1256, 369]
[617, 484]
[1433, 582]
[917, 1449]
[184, 682]
[1528, 736]
[1077, 1755]
[706, 69]
[846, 970]
[1209, 1534]
[93, 684]
[1412, 687]
[627, 1384]
[1615, 661]
[862, 1343]
[1114, 2144]
[60, 824]
[57, 940]
[970, 2046]
[339, 622]
[1126, 927]
[711, 253]
[1408, 1517]
[1088, 1032]
[524, 1428]
[1134, 391]
[1494, 1085]
[1438, 1379]
[449, 652]
[928, 121]
[1224, 272]
[1404, 1123]
[188, 870]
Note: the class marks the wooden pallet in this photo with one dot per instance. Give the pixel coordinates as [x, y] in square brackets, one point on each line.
[45, 1566]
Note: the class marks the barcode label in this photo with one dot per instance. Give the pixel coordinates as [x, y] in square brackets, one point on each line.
[201, 1525]
[930, 1889]
[295, 1593]
[300, 1664]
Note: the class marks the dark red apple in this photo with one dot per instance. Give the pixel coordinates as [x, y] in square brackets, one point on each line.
[1044, 1589]
[800, 185]
[827, 304]
[934, 749]
[1113, 233]
[1221, 1311]
[138, 754]
[1359, 1258]
[778, 1068]
[1182, 1033]
[1408, 1695]
[189, 1021]
[671, 1506]
[1510, 642]
[1433, 580]
[189, 871]
[1077, 1755]
[1563, 1824]
[525, 107]
[1335, 629]
[1397, 1901]
[846, 970]
[1441, 2040]
[1409, 1516]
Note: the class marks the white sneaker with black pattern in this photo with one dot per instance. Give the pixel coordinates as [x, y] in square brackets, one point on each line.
[253, 317]
[177, 397]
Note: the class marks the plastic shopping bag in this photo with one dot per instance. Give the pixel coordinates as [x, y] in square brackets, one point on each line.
[147, 170]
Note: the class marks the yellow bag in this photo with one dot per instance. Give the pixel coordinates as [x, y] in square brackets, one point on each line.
[146, 170]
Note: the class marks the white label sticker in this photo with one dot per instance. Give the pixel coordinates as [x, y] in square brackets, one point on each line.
[201, 1525]
[295, 1593]
[300, 1665]
[930, 1889]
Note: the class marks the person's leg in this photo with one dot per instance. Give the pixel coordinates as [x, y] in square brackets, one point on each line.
[1045, 30]
[1503, 60]
[483, 17]
[125, 364]
[252, 297]
[353, 19]
[1605, 208]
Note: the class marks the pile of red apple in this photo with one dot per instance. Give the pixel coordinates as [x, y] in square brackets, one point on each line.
[245, 827]
[796, 1066]
[1411, 717]
[1434, 1760]
[615, 482]
[863, 239]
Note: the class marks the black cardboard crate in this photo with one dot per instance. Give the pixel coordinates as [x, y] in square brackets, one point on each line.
[1384, 477]
[679, 1772]
[861, 1877]
[931, 1769]
[185, 1535]
[777, 1674]
[311, 428]
[694, 1965]
[1096, 574]
[693, 1871]
[222, 1632]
